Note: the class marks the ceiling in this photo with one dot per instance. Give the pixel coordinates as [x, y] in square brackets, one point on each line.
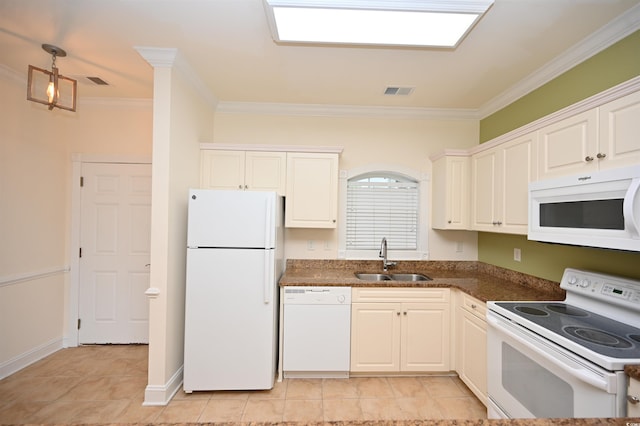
[517, 46]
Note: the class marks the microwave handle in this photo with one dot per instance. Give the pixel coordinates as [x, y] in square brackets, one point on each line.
[631, 208]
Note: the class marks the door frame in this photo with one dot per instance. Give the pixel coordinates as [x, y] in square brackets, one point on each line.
[72, 308]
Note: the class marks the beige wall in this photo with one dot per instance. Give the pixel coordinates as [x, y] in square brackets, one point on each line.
[35, 186]
[403, 143]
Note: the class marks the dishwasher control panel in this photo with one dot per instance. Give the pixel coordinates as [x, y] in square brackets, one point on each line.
[303, 295]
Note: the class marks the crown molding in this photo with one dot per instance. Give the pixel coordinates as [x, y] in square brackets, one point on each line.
[169, 57]
[12, 75]
[626, 88]
[271, 148]
[117, 102]
[317, 110]
[616, 30]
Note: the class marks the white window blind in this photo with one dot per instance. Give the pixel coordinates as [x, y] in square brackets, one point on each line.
[382, 206]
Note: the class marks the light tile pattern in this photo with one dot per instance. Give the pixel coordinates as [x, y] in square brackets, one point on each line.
[105, 384]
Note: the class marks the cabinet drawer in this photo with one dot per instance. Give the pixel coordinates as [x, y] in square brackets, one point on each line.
[474, 306]
[395, 294]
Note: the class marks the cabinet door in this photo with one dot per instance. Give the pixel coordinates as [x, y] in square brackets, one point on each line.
[221, 169]
[569, 146]
[450, 207]
[619, 140]
[375, 337]
[265, 171]
[484, 198]
[516, 171]
[312, 190]
[424, 342]
[472, 353]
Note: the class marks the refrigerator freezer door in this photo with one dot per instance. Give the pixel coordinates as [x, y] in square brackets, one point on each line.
[242, 219]
[230, 325]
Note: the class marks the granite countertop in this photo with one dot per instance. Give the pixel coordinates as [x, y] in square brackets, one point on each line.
[482, 281]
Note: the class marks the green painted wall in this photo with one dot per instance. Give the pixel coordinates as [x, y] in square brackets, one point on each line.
[614, 65]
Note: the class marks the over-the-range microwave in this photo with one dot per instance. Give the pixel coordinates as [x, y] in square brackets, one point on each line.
[599, 209]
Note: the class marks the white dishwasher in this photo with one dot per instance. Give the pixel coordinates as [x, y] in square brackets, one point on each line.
[316, 332]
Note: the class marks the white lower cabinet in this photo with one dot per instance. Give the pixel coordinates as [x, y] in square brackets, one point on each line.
[471, 344]
[400, 330]
[633, 400]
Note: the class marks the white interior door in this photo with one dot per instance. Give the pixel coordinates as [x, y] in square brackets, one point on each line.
[115, 238]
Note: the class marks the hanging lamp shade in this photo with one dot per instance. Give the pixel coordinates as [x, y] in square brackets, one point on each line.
[49, 87]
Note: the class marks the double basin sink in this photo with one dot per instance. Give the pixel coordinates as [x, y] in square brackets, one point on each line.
[392, 277]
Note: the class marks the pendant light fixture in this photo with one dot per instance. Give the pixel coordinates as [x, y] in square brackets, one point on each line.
[49, 87]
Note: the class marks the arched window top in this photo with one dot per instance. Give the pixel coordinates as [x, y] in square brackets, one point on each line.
[382, 205]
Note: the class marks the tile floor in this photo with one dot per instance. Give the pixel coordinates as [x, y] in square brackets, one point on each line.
[105, 384]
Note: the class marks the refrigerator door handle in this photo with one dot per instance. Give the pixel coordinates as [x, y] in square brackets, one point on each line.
[268, 228]
[268, 276]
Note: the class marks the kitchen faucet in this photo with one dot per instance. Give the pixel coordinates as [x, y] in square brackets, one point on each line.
[383, 254]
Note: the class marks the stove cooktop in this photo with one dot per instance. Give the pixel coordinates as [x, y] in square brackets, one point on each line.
[595, 332]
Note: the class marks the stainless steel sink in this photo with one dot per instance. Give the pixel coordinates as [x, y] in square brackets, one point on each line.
[409, 277]
[392, 277]
[373, 277]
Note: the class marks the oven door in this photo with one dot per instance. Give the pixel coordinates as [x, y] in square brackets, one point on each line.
[530, 377]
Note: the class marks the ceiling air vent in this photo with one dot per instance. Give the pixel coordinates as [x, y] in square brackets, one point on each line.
[398, 91]
[98, 81]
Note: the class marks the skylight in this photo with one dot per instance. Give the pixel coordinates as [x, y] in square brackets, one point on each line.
[440, 23]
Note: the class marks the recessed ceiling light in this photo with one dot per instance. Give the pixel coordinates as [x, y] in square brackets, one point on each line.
[439, 23]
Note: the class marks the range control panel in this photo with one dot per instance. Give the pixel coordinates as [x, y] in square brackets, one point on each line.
[601, 286]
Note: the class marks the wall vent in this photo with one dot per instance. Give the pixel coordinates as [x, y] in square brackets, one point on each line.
[398, 91]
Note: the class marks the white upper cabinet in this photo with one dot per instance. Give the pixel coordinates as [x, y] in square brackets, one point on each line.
[601, 138]
[243, 170]
[312, 190]
[450, 189]
[620, 132]
[569, 146]
[500, 178]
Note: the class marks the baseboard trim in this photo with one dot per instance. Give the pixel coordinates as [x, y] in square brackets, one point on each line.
[155, 395]
[21, 361]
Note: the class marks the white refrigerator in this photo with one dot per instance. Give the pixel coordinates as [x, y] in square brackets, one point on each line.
[234, 261]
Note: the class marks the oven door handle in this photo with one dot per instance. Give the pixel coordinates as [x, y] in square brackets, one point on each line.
[572, 368]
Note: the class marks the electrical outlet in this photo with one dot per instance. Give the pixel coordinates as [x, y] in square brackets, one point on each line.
[458, 246]
[310, 245]
[517, 255]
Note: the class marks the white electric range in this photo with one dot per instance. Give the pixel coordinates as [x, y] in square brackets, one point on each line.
[565, 359]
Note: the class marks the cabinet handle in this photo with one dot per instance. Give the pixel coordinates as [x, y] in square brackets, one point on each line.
[588, 158]
[497, 223]
[633, 399]
[239, 186]
[473, 306]
[405, 312]
[246, 187]
[398, 313]
[601, 155]
[448, 221]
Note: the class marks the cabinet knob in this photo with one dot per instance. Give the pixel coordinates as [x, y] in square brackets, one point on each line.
[473, 306]
[601, 155]
[405, 312]
[246, 187]
[588, 158]
[239, 186]
[448, 221]
[633, 399]
[398, 313]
